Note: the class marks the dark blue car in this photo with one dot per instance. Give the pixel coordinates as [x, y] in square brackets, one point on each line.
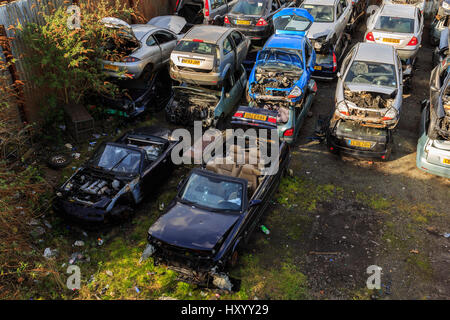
[281, 78]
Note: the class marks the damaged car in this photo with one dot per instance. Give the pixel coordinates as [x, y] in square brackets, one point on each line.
[328, 34]
[281, 77]
[204, 11]
[433, 155]
[209, 104]
[369, 90]
[217, 208]
[439, 121]
[400, 26]
[254, 17]
[136, 96]
[138, 50]
[116, 178]
[207, 54]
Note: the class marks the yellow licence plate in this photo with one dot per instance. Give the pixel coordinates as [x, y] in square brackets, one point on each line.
[361, 144]
[390, 40]
[255, 116]
[243, 22]
[111, 67]
[317, 67]
[191, 61]
[446, 161]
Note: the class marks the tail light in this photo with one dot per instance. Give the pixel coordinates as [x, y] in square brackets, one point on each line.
[334, 62]
[197, 40]
[370, 37]
[289, 132]
[238, 114]
[176, 5]
[261, 22]
[226, 20]
[345, 113]
[413, 42]
[206, 8]
[130, 59]
[386, 118]
[272, 120]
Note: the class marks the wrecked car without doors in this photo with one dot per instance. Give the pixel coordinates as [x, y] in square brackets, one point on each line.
[439, 122]
[369, 90]
[140, 49]
[208, 54]
[217, 207]
[211, 105]
[117, 177]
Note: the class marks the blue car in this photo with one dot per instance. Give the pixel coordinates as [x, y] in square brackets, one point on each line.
[281, 78]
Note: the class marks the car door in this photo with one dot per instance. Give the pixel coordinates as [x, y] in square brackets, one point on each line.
[347, 8]
[229, 97]
[240, 44]
[340, 19]
[419, 18]
[153, 54]
[217, 10]
[167, 42]
[228, 54]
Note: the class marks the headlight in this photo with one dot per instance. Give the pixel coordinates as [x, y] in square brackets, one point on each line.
[295, 93]
[390, 114]
[343, 108]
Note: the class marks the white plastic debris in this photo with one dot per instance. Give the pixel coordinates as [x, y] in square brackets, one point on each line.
[222, 281]
[79, 243]
[148, 252]
[49, 253]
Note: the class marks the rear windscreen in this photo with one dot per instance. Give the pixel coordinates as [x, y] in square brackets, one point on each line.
[249, 7]
[395, 24]
[196, 47]
[354, 128]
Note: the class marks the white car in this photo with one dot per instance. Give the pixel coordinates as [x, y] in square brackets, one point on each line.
[398, 25]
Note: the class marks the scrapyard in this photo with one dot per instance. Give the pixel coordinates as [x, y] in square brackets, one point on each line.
[224, 150]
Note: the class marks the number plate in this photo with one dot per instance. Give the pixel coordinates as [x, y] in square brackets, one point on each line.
[111, 67]
[317, 67]
[361, 144]
[243, 22]
[255, 116]
[390, 40]
[191, 61]
[446, 161]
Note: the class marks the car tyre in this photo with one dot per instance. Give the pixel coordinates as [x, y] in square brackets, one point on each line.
[59, 160]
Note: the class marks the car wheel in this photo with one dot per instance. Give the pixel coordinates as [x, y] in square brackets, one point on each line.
[59, 160]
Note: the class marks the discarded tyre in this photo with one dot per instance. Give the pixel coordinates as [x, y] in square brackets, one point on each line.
[59, 160]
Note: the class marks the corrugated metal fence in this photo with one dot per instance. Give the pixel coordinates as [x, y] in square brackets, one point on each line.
[24, 12]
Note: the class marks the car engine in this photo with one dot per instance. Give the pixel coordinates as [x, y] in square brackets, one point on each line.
[273, 79]
[368, 100]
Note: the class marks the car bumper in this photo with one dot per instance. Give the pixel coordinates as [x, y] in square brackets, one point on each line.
[431, 168]
[77, 212]
[405, 54]
[201, 78]
[324, 74]
[335, 145]
[255, 33]
[124, 70]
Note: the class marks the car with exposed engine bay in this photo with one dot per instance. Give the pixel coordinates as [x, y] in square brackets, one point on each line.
[209, 104]
[118, 176]
[370, 86]
[217, 207]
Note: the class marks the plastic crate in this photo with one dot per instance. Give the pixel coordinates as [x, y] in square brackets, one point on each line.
[79, 122]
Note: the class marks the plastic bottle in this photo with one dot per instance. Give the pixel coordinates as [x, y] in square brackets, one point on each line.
[265, 230]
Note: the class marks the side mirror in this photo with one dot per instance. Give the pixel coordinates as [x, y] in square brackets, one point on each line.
[255, 203]
[434, 88]
[338, 75]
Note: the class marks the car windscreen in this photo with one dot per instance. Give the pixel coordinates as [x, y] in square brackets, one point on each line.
[196, 47]
[379, 74]
[282, 58]
[213, 193]
[116, 159]
[320, 13]
[249, 7]
[395, 24]
[291, 23]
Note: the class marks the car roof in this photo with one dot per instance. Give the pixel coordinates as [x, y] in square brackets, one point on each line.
[140, 30]
[398, 10]
[207, 33]
[375, 52]
[320, 2]
[288, 42]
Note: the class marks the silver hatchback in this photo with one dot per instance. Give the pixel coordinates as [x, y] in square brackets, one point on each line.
[398, 25]
[207, 54]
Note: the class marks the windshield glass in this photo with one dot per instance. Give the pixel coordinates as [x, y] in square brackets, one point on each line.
[249, 7]
[291, 23]
[281, 58]
[196, 47]
[213, 193]
[319, 12]
[372, 73]
[117, 159]
[395, 24]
